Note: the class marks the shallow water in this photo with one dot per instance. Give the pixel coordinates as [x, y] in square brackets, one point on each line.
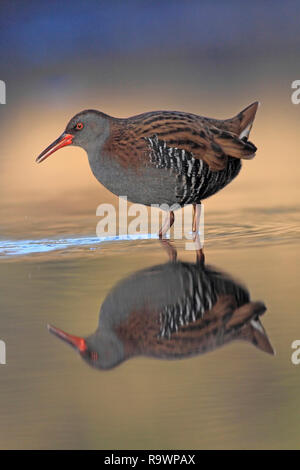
[255, 227]
[53, 269]
[235, 396]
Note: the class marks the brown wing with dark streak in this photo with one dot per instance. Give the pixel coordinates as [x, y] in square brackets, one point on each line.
[208, 139]
[220, 325]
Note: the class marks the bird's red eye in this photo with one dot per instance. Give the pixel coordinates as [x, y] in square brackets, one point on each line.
[79, 126]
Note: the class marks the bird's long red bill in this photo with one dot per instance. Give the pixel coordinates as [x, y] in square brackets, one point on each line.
[62, 141]
[76, 341]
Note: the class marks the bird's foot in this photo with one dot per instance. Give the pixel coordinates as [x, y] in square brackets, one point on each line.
[167, 224]
[170, 249]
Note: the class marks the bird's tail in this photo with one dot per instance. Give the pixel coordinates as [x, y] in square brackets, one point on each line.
[253, 330]
[225, 322]
[231, 136]
[255, 333]
[241, 124]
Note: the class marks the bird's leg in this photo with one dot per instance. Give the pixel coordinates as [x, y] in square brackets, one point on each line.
[196, 219]
[168, 222]
[172, 252]
[200, 258]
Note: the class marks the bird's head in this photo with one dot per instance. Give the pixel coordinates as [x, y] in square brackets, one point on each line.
[85, 129]
[102, 351]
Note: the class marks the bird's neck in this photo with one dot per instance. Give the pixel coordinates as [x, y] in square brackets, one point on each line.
[108, 346]
[95, 145]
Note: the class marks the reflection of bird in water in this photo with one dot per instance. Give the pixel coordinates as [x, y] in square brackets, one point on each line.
[171, 311]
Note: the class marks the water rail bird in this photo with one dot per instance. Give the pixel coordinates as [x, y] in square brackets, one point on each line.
[166, 158]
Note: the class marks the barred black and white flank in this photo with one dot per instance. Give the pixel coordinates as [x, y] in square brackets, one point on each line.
[195, 180]
[202, 288]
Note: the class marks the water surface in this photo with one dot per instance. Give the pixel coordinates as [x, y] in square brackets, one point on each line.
[234, 396]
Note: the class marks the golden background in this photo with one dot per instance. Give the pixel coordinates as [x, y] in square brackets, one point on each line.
[124, 58]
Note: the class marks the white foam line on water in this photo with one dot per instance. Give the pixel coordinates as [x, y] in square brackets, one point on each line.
[26, 247]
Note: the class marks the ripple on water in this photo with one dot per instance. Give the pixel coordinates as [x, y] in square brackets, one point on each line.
[262, 227]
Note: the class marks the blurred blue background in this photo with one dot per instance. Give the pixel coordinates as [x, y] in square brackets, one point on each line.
[123, 58]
